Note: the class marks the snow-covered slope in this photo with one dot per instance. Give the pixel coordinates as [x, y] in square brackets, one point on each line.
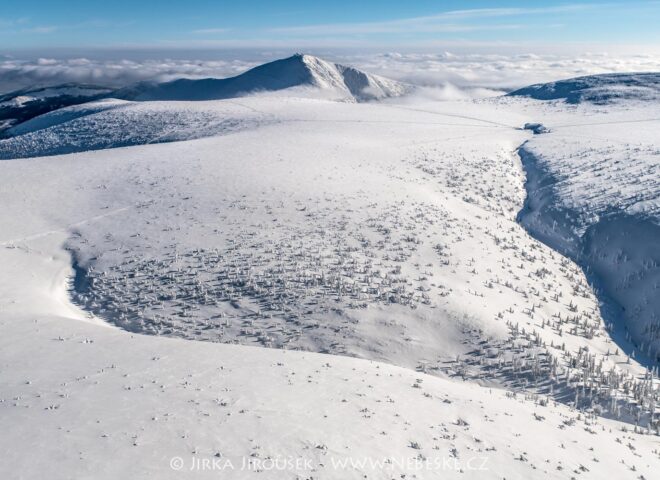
[595, 196]
[63, 115]
[390, 224]
[299, 71]
[598, 89]
[299, 75]
[78, 400]
[22, 105]
[118, 123]
[381, 231]
[594, 193]
[115, 123]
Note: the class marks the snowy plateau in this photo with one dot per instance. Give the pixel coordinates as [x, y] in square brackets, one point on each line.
[310, 272]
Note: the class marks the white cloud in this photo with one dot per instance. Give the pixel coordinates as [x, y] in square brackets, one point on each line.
[41, 29]
[442, 22]
[210, 31]
[509, 12]
[496, 71]
[449, 74]
[16, 73]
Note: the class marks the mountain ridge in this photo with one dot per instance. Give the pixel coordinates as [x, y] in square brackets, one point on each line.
[598, 89]
[22, 105]
[317, 76]
[299, 70]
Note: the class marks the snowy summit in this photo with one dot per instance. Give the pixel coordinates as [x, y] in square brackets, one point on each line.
[298, 71]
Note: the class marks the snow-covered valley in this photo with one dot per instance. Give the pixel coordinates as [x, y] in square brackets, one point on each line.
[360, 277]
[597, 200]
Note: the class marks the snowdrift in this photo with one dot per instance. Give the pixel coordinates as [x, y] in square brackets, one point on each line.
[595, 198]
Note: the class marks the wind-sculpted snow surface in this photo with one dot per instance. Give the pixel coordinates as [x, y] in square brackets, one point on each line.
[598, 89]
[63, 115]
[286, 236]
[22, 105]
[80, 400]
[594, 195]
[386, 232]
[116, 123]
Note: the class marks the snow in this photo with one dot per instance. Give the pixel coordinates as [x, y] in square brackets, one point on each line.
[293, 72]
[21, 97]
[17, 101]
[118, 123]
[113, 404]
[356, 274]
[597, 89]
[115, 123]
[66, 114]
[599, 203]
[22, 105]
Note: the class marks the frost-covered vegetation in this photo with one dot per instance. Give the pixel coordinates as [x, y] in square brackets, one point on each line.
[395, 233]
[595, 196]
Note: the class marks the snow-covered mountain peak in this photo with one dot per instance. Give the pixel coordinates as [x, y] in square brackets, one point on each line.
[355, 83]
[298, 75]
[297, 71]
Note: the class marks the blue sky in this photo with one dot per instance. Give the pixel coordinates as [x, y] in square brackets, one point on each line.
[47, 24]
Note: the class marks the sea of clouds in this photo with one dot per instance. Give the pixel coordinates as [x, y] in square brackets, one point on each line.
[447, 75]
[486, 74]
[16, 73]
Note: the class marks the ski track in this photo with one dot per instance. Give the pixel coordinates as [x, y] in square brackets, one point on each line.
[67, 229]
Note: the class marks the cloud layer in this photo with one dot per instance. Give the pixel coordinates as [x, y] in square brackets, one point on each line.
[502, 72]
[472, 74]
[16, 74]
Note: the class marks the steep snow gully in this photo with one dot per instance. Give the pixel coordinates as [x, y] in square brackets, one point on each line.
[619, 254]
